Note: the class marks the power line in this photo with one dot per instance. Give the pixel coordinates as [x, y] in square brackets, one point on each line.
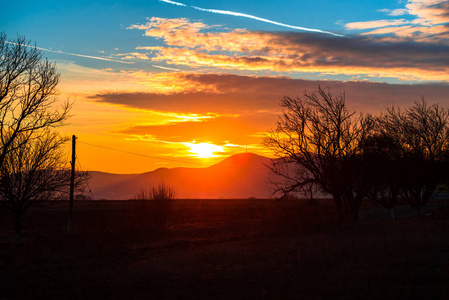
[163, 158]
[81, 169]
[144, 155]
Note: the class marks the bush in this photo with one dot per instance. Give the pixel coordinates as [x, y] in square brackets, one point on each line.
[153, 207]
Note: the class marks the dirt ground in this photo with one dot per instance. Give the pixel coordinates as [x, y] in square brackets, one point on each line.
[222, 249]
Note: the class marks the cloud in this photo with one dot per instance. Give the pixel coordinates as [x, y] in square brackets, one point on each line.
[238, 14]
[434, 34]
[161, 28]
[235, 109]
[427, 22]
[173, 2]
[238, 130]
[166, 68]
[430, 11]
[395, 12]
[134, 55]
[187, 43]
[75, 54]
[231, 13]
[375, 24]
[227, 94]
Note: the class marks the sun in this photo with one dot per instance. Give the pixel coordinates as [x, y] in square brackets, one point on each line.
[204, 150]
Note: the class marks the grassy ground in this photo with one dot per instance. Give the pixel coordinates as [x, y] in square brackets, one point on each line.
[223, 249]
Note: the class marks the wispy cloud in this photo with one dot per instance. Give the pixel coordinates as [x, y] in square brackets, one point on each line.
[166, 68]
[74, 54]
[376, 24]
[173, 2]
[395, 12]
[134, 55]
[219, 130]
[238, 14]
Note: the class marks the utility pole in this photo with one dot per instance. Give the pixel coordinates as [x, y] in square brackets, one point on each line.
[72, 186]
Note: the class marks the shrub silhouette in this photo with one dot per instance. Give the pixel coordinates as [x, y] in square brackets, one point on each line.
[153, 207]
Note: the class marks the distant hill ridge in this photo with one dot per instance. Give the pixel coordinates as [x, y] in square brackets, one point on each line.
[241, 175]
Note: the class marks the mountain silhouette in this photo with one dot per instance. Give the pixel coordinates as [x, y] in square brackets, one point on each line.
[238, 176]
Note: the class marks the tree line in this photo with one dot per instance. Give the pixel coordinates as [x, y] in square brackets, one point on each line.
[322, 146]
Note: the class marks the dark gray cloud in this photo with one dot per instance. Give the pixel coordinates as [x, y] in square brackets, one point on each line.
[362, 51]
[237, 94]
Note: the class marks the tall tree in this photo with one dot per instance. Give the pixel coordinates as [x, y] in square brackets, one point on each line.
[28, 90]
[317, 142]
[32, 167]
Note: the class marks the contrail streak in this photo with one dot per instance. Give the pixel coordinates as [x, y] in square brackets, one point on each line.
[92, 57]
[74, 54]
[237, 14]
[173, 2]
[166, 68]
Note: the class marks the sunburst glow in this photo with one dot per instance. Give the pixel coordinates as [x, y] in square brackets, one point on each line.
[204, 150]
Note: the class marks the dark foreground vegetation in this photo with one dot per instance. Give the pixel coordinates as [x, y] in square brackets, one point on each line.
[323, 146]
[223, 249]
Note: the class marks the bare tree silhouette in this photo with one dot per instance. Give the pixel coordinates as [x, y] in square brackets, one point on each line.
[27, 94]
[317, 142]
[33, 173]
[31, 161]
[383, 168]
[423, 133]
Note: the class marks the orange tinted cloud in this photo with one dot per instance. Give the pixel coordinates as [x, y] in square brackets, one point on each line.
[228, 94]
[402, 61]
[429, 23]
[237, 130]
[187, 44]
[430, 11]
[375, 24]
[161, 28]
[186, 34]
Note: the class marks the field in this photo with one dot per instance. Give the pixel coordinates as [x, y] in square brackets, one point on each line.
[223, 249]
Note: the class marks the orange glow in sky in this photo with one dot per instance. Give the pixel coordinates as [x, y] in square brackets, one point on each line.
[204, 150]
[159, 84]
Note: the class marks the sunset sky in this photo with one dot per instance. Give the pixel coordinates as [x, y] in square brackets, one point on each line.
[177, 82]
